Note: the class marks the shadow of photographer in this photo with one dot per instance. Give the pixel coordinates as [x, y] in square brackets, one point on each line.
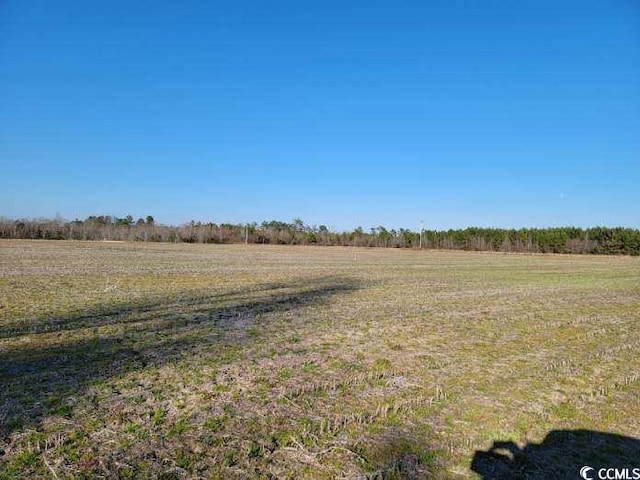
[563, 454]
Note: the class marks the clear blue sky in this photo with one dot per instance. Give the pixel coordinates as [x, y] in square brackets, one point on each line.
[345, 113]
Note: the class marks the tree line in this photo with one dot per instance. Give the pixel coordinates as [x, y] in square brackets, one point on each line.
[596, 240]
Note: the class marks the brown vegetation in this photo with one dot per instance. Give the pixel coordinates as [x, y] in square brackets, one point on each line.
[138, 360]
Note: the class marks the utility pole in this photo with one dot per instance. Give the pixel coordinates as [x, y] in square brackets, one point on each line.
[421, 222]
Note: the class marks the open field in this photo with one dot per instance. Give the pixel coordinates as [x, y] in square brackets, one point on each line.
[125, 360]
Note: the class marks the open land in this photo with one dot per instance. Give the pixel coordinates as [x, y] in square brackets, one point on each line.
[131, 360]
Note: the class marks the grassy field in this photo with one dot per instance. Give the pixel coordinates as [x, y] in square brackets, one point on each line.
[136, 360]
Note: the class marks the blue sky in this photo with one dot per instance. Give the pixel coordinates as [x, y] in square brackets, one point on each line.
[345, 113]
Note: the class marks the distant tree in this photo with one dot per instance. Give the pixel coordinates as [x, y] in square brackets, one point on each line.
[384, 236]
[298, 225]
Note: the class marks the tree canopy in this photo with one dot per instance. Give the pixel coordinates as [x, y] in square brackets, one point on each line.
[596, 240]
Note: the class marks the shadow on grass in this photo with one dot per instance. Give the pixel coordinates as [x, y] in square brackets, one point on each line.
[562, 454]
[38, 371]
[121, 312]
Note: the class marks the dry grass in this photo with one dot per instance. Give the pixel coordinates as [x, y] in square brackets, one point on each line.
[191, 361]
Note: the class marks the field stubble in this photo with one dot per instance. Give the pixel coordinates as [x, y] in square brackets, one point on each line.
[187, 361]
